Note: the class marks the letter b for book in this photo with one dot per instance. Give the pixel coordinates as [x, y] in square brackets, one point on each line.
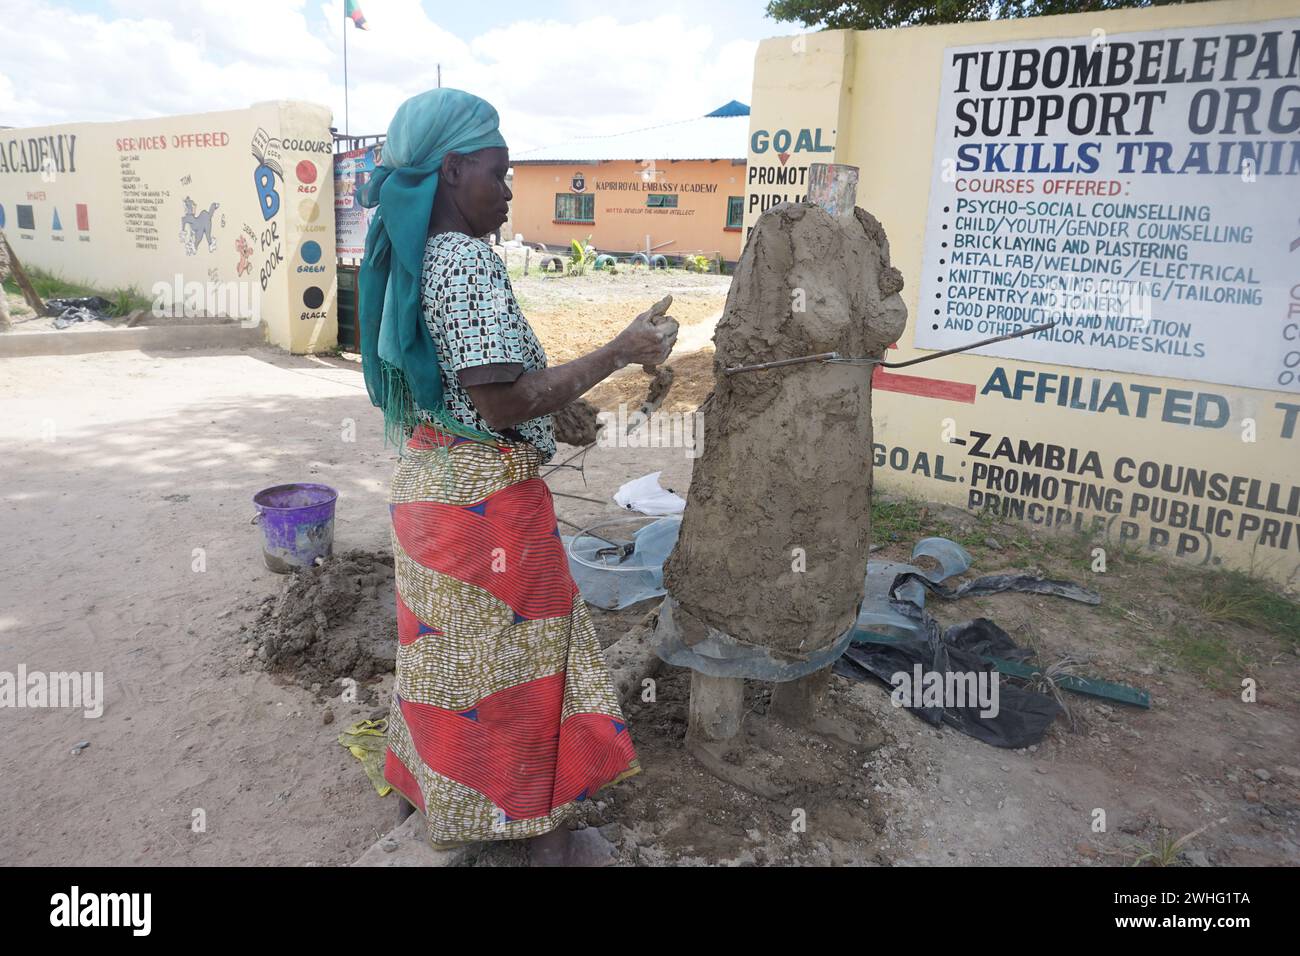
[267, 197]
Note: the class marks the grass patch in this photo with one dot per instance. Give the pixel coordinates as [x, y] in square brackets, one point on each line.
[1165, 851]
[1210, 601]
[1134, 556]
[1233, 597]
[123, 300]
[1201, 653]
[896, 519]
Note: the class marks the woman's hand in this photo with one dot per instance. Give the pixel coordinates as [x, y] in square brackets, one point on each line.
[649, 340]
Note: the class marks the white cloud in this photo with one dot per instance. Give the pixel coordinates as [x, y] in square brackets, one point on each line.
[550, 80]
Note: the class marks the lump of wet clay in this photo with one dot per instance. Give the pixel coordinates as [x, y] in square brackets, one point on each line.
[774, 541]
[658, 391]
[575, 423]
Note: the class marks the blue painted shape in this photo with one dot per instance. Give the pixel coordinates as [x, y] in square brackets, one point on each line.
[267, 196]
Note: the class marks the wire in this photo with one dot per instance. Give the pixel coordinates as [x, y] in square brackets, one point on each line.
[845, 360]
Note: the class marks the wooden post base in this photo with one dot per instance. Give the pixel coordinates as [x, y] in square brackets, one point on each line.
[717, 704]
[797, 702]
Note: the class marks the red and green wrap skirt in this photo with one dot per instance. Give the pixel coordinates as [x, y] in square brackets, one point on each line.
[504, 715]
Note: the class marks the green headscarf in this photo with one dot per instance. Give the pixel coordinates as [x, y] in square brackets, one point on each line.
[398, 355]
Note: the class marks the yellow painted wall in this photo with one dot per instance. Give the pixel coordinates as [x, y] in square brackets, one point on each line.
[873, 97]
[697, 225]
[119, 193]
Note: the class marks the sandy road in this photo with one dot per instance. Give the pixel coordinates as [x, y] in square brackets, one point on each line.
[149, 459]
[118, 466]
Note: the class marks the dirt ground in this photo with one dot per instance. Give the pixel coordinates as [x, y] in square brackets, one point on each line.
[126, 505]
[573, 315]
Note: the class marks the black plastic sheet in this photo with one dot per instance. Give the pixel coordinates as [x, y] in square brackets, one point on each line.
[92, 308]
[996, 584]
[1022, 717]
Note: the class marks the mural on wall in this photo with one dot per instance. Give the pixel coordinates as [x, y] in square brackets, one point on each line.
[272, 251]
[245, 252]
[141, 200]
[269, 168]
[196, 227]
[162, 193]
[52, 154]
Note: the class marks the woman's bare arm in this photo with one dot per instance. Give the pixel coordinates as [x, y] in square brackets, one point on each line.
[647, 341]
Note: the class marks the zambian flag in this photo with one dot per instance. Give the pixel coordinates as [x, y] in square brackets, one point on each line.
[353, 9]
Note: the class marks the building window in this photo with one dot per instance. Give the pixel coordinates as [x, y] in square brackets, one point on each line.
[661, 201]
[573, 207]
[735, 212]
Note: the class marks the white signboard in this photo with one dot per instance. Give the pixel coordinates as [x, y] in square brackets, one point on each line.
[1143, 189]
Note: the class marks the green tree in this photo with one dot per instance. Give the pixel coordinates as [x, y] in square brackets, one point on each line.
[881, 14]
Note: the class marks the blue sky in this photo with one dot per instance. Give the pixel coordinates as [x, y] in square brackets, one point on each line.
[555, 69]
[743, 19]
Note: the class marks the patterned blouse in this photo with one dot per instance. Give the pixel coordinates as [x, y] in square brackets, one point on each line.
[476, 324]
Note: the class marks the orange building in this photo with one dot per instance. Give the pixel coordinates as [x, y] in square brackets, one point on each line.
[677, 189]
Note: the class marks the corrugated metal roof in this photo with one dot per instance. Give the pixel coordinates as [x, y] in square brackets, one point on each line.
[708, 137]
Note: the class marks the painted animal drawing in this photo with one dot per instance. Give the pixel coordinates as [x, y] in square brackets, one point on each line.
[245, 253]
[196, 227]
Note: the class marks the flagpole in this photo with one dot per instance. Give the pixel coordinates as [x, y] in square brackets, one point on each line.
[346, 116]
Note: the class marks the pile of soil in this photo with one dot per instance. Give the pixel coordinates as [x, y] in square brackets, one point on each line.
[334, 621]
[798, 798]
[792, 797]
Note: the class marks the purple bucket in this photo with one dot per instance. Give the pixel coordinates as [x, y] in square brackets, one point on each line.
[297, 525]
